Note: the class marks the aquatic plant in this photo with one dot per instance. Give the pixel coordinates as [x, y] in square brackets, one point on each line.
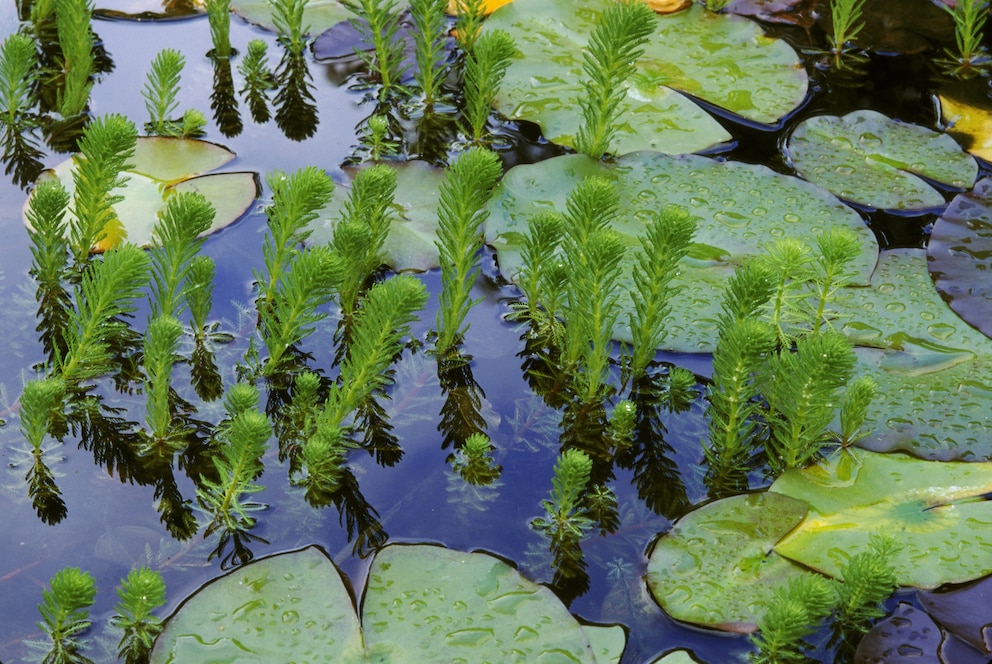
[376, 140]
[972, 57]
[160, 91]
[845, 17]
[46, 216]
[41, 401]
[716, 5]
[461, 212]
[65, 614]
[186, 217]
[18, 72]
[287, 15]
[473, 461]
[617, 41]
[378, 23]
[258, 78]
[468, 21]
[429, 36]
[795, 612]
[857, 398]
[140, 593]
[219, 17]
[789, 262]
[832, 271]
[76, 41]
[160, 355]
[542, 277]
[866, 581]
[485, 66]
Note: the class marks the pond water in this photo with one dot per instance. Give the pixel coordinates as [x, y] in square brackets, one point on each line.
[113, 526]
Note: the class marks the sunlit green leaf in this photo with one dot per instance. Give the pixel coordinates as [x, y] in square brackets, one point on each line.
[935, 510]
[875, 161]
[724, 59]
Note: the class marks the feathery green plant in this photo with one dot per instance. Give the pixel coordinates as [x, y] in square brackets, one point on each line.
[296, 422]
[65, 614]
[296, 201]
[46, 215]
[254, 68]
[566, 516]
[845, 16]
[793, 614]
[468, 21]
[485, 67]
[790, 261]
[160, 91]
[76, 40]
[461, 212]
[664, 243]
[177, 234]
[140, 593]
[359, 236]
[241, 442]
[802, 389]
[287, 16]
[972, 57]
[104, 150]
[853, 412]
[542, 285]
[375, 139]
[18, 73]
[473, 461]
[838, 247]
[866, 581]
[429, 34]
[716, 5]
[219, 17]
[622, 424]
[378, 22]
[161, 346]
[41, 401]
[616, 43]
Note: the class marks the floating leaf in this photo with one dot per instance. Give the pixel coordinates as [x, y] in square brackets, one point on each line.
[284, 608]
[163, 166]
[318, 15]
[967, 112]
[676, 657]
[716, 566]
[959, 255]
[908, 636]
[878, 162]
[410, 244]
[724, 59]
[488, 6]
[739, 208]
[965, 612]
[936, 511]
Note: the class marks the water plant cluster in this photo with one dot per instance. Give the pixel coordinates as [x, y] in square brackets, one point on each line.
[784, 396]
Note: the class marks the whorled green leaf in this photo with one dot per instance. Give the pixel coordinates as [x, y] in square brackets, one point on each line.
[965, 612]
[739, 209]
[318, 15]
[288, 607]
[163, 166]
[425, 603]
[410, 244]
[935, 510]
[872, 160]
[933, 370]
[716, 567]
[723, 59]
[959, 255]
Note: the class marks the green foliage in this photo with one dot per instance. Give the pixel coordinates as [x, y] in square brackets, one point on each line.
[468, 21]
[287, 15]
[46, 215]
[867, 580]
[161, 347]
[802, 389]
[160, 91]
[854, 410]
[846, 18]
[65, 614]
[359, 236]
[219, 17]
[429, 34]
[795, 613]
[716, 5]
[838, 248]
[254, 68]
[789, 261]
[461, 212]
[187, 216]
[972, 57]
[485, 66]
[104, 150]
[541, 278]
[609, 60]
[72, 18]
[41, 403]
[378, 23]
[622, 423]
[473, 461]
[198, 280]
[665, 242]
[376, 140]
[140, 593]
[18, 73]
[566, 516]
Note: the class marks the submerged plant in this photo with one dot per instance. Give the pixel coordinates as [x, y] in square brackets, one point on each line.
[609, 60]
[461, 212]
[485, 67]
[140, 593]
[41, 402]
[473, 461]
[378, 23]
[972, 57]
[46, 215]
[794, 613]
[65, 614]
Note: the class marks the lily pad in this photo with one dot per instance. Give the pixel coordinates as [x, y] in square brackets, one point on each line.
[959, 255]
[410, 244]
[739, 208]
[908, 636]
[285, 608]
[935, 510]
[872, 160]
[422, 603]
[318, 15]
[723, 59]
[966, 612]
[163, 166]
[967, 112]
[716, 566]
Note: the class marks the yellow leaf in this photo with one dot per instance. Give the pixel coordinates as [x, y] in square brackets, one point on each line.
[114, 235]
[490, 5]
[970, 122]
[668, 6]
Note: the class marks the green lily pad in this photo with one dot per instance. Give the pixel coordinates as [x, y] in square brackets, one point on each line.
[959, 255]
[422, 603]
[163, 166]
[288, 607]
[410, 244]
[872, 160]
[935, 510]
[716, 566]
[723, 59]
[739, 208]
[318, 15]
